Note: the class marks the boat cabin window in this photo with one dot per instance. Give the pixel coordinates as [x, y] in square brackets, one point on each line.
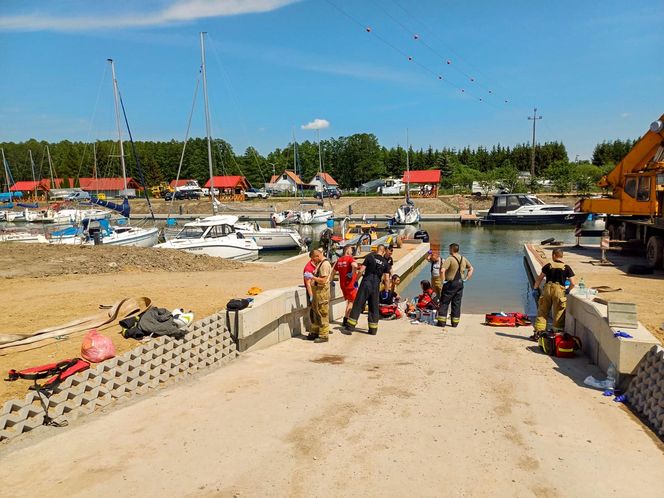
[219, 231]
[191, 233]
[513, 202]
[389, 183]
[643, 192]
[630, 187]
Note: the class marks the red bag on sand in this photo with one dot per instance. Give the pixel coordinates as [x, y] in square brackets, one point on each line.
[97, 347]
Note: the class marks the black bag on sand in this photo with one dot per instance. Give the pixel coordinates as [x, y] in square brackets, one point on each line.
[237, 304]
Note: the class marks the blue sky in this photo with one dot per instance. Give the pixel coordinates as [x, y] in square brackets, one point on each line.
[593, 69]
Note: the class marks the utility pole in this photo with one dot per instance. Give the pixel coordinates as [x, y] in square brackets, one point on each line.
[534, 119]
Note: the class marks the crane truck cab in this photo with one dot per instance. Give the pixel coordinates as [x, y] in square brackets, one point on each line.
[634, 203]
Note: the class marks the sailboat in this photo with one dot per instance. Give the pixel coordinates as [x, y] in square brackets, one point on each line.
[214, 235]
[407, 214]
[96, 231]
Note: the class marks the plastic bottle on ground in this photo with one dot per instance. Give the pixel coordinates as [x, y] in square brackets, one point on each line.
[611, 375]
[582, 288]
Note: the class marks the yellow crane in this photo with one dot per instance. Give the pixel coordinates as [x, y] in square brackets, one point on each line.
[635, 195]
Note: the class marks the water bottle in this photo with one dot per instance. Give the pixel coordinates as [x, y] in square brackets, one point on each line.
[611, 374]
[582, 288]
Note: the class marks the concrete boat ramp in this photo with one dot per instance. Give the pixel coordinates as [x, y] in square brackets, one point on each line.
[413, 411]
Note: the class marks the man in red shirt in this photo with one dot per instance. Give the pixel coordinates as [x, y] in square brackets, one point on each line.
[346, 266]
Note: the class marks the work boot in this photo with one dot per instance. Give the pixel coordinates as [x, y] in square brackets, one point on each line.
[319, 340]
[373, 331]
[312, 337]
[347, 330]
[344, 323]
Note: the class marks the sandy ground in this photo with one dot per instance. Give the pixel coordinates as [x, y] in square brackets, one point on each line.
[361, 205]
[413, 411]
[31, 304]
[647, 291]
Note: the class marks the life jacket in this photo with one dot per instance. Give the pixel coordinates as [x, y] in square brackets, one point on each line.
[500, 319]
[56, 371]
[426, 300]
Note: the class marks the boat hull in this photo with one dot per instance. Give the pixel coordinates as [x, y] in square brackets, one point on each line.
[217, 250]
[536, 219]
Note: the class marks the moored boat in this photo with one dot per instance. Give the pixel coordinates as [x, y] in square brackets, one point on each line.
[272, 238]
[527, 209]
[214, 236]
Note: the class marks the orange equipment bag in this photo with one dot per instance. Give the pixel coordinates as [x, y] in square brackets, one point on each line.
[507, 319]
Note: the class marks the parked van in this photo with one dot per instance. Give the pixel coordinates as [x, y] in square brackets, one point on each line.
[79, 195]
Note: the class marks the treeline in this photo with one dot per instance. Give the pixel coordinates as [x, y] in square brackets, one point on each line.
[351, 160]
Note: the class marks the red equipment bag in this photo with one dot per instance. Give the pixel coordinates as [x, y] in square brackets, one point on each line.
[566, 345]
[506, 319]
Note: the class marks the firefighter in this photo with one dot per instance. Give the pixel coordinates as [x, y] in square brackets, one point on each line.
[320, 300]
[372, 270]
[346, 266]
[553, 297]
[455, 271]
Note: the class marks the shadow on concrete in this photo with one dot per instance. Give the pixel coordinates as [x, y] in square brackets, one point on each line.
[576, 369]
[514, 336]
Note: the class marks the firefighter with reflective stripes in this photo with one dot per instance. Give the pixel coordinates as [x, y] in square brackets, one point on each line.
[553, 297]
[372, 269]
[455, 271]
[320, 300]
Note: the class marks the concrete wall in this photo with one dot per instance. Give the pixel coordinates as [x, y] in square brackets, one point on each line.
[279, 314]
[588, 320]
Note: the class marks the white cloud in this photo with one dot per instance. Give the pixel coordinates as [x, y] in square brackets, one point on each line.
[316, 124]
[176, 12]
[625, 115]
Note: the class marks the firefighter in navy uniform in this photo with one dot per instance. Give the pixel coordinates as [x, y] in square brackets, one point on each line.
[453, 271]
[372, 270]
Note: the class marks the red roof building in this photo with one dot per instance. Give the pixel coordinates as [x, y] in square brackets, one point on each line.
[229, 182]
[287, 175]
[31, 186]
[323, 180]
[109, 184]
[424, 176]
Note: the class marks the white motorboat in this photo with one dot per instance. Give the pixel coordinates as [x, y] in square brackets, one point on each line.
[272, 238]
[214, 236]
[64, 216]
[527, 209]
[25, 237]
[101, 232]
[286, 217]
[315, 216]
[407, 214]
[11, 216]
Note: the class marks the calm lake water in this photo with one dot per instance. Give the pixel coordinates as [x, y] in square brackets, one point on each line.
[500, 281]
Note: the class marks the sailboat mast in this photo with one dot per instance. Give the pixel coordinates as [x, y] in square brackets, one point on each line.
[116, 97]
[50, 166]
[94, 157]
[407, 167]
[32, 167]
[6, 169]
[295, 159]
[320, 154]
[207, 121]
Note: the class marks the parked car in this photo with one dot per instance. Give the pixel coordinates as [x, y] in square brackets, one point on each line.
[330, 192]
[254, 193]
[496, 188]
[182, 194]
